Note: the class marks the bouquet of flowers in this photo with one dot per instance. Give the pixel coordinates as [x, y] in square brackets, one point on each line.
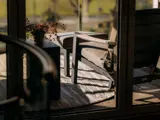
[39, 30]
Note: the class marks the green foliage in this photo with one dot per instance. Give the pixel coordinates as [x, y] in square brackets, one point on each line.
[50, 16]
[3, 33]
[3, 11]
[62, 7]
[143, 4]
[29, 35]
[37, 7]
[106, 6]
[92, 30]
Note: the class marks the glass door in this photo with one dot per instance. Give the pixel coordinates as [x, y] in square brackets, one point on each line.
[3, 17]
[92, 88]
[91, 93]
[3, 65]
[144, 65]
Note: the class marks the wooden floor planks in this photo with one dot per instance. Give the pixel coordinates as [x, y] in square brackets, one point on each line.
[91, 89]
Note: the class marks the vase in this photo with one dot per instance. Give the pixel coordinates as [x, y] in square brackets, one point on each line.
[38, 37]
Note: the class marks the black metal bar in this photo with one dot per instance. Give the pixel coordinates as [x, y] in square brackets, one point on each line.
[80, 15]
[14, 60]
[48, 66]
[130, 49]
[49, 73]
[122, 54]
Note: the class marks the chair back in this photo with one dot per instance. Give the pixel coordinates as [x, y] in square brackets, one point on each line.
[113, 34]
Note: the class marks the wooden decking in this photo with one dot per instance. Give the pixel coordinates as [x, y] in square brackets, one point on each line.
[90, 92]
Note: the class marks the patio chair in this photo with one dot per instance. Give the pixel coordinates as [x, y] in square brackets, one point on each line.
[93, 54]
[97, 54]
[65, 41]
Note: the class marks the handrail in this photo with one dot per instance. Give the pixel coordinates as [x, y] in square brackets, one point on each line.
[48, 65]
[49, 68]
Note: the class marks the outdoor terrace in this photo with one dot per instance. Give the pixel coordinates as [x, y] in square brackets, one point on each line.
[90, 92]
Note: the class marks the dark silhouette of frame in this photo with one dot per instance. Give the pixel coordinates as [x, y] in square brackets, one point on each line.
[146, 51]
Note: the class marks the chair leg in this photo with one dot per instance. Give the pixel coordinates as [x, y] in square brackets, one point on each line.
[110, 84]
[74, 61]
[66, 63]
[74, 69]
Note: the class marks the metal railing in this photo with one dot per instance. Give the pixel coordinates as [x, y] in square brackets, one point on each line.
[48, 67]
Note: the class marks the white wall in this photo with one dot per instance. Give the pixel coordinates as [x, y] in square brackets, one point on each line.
[155, 3]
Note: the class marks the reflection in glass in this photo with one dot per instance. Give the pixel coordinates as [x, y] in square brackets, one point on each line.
[92, 91]
[3, 70]
[144, 4]
[3, 17]
[146, 88]
[3, 30]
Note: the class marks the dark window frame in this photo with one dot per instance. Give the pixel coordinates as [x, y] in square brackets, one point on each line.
[126, 43]
[134, 108]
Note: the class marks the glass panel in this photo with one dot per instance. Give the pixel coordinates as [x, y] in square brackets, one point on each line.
[3, 70]
[68, 14]
[3, 65]
[3, 17]
[144, 4]
[61, 11]
[92, 90]
[97, 15]
[146, 88]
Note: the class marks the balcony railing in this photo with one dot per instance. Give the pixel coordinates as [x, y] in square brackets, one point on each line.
[48, 72]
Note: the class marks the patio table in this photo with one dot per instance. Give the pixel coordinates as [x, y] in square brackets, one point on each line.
[54, 52]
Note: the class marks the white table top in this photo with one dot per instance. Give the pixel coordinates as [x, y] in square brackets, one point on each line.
[47, 43]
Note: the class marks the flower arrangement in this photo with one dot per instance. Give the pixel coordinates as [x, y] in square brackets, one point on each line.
[39, 30]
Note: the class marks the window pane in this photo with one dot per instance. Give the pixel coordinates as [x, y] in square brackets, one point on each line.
[146, 88]
[144, 4]
[62, 11]
[67, 11]
[3, 17]
[96, 85]
[3, 30]
[97, 15]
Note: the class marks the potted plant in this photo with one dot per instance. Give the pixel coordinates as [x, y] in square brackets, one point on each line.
[39, 30]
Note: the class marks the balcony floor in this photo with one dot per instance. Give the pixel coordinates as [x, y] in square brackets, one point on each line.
[90, 92]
